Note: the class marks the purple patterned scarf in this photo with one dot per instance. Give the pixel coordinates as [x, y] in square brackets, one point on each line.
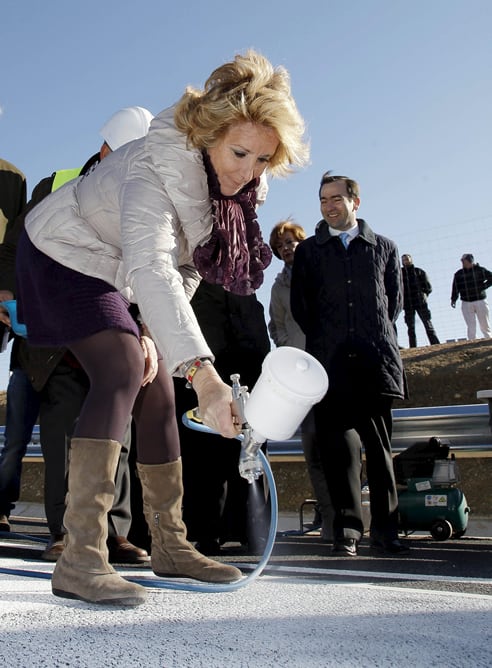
[235, 255]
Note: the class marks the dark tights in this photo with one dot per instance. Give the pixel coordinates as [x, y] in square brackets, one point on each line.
[114, 363]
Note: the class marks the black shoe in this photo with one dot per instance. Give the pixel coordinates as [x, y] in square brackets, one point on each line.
[388, 546]
[4, 523]
[255, 546]
[121, 551]
[346, 547]
[55, 547]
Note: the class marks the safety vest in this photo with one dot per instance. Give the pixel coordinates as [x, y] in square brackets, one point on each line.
[63, 176]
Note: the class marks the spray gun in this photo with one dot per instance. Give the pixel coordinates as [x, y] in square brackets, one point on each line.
[250, 466]
[291, 382]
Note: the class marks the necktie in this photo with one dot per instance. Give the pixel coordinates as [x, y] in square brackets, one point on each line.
[345, 237]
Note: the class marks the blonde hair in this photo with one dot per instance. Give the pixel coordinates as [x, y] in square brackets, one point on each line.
[247, 89]
[287, 225]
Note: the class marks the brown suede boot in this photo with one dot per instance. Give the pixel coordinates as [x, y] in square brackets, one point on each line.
[83, 571]
[171, 554]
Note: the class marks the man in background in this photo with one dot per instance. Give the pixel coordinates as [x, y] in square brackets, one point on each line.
[346, 295]
[21, 399]
[13, 194]
[416, 288]
[470, 283]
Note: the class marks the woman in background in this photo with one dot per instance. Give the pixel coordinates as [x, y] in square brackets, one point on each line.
[284, 330]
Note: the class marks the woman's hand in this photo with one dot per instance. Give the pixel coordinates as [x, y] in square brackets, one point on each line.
[215, 402]
[150, 354]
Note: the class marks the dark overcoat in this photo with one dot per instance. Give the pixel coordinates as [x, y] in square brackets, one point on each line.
[347, 302]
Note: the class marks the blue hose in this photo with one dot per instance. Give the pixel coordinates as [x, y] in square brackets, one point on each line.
[152, 582]
[23, 536]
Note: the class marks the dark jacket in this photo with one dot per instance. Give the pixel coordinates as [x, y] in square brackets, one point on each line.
[13, 196]
[416, 287]
[235, 329]
[8, 248]
[347, 303]
[471, 284]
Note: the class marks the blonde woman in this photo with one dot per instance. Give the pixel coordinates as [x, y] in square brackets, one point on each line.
[155, 217]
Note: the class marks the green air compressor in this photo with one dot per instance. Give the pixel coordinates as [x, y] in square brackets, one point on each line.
[429, 498]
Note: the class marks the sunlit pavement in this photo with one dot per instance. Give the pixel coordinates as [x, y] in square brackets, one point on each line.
[430, 608]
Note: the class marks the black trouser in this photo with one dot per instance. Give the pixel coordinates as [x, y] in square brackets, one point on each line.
[342, 427]
[216, 498]
[425, 315]
[218, 504]
[61, 400]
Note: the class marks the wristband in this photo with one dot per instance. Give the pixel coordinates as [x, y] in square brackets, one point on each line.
[191, 369]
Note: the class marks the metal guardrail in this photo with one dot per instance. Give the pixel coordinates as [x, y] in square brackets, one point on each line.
[466, 427]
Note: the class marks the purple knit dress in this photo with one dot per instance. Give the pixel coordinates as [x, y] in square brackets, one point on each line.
[60, 305]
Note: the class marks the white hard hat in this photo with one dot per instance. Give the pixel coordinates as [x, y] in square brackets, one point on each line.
[125, 125]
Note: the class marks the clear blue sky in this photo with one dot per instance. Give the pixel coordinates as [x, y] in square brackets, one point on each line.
[395, 94]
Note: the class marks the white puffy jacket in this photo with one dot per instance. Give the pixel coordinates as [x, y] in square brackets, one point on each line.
[134, 222]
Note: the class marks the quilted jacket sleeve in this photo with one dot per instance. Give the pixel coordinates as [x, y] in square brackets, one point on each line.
[150, 229]
[393, 283]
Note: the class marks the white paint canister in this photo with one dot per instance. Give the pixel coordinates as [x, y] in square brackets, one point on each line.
[291, 382]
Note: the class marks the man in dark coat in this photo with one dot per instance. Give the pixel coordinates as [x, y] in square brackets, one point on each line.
[22, 407]
[346, 295]
[416, 288]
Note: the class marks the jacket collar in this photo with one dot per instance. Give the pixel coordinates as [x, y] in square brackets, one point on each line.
[323, 236]
[285, 276]
[91, 164]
